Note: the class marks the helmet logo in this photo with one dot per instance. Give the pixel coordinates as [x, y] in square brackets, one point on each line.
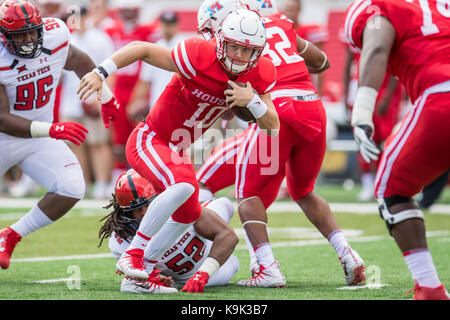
[267, 4]
[215, 7]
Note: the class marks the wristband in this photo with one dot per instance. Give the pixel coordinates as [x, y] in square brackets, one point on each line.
[106, 68]
[99, 73]
[40, 129]
[257, 107]
[210, 265]
[107, 95]
[364, 106]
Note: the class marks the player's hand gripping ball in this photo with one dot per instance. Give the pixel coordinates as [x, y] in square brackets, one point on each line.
[242, 112]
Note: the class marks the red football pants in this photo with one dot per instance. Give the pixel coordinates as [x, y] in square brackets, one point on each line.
[419, 151]
[158, 161]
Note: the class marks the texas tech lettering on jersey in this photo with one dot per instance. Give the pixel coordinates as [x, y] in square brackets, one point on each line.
[30, 83]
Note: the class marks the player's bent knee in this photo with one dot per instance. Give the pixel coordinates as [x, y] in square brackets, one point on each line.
[392, 219]
[72, 186]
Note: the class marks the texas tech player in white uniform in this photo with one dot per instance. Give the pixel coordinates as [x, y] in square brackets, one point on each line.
[33, 53]
[30, 85]
[189, 251]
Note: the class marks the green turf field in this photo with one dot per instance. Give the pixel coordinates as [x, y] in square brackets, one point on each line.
[308, 262]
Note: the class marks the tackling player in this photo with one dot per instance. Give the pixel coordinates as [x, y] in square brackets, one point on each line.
[33, 53]
[187, 260]
[299, 155]
[190, 104]
[410, 39]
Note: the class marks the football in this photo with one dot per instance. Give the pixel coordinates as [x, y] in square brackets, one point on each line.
[242, 113]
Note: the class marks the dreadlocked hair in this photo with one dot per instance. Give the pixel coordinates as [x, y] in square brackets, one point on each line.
[115, 223]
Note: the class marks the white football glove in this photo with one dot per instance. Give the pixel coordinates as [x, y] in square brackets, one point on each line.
[363, 137]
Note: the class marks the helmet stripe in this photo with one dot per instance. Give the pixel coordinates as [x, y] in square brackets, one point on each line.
[24, 9]
[132, 186]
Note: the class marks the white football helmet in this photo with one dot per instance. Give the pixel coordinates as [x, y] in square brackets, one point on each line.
[244, 28]
[211, 14]
[262, 7]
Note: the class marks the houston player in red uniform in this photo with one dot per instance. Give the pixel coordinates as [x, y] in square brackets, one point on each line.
[386, 116]
[410, 39]
[191, 102]
[257, 170]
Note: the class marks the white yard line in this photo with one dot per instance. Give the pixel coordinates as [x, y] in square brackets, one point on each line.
[299, 243]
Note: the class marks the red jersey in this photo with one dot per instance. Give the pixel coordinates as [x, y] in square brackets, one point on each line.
[194, 99]
[292, 73]
[420, 56]
[313, 33]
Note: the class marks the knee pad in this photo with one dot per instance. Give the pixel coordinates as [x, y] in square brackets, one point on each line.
[392, 219]
[72, 186]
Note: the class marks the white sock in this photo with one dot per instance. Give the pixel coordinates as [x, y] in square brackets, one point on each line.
[264, 254]
[35, 219]
[338, 242]
[163, 206]
[367, 180]
[251, 250]
[204, 195]
[422, 268]
[139, 241]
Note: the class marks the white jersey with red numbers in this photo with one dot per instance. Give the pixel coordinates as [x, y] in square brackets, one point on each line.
[31, 83]
[292, 74]
[194, 99]
[188, 252]
[420, 56]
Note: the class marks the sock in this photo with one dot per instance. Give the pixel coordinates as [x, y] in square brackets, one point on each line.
[204, 194]
[163, 206]
[367, 180]
[251, 251]
[264, 254]
[35, 219]
[139, 241]
[338, 242]
[422, 268]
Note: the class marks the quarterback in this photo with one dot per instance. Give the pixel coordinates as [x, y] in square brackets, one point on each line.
[190, 104]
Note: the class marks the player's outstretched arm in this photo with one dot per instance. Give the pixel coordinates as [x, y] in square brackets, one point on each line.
[150, 53]
[316, 60]
[377, 45]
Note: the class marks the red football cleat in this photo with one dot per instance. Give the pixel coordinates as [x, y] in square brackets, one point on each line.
[424, 293]
[8, 241]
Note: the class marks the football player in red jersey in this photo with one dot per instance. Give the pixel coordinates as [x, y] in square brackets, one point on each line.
[123, 31]
[386, 116]
[191, 102]
[298, 156]
[33, 53]
[409, 39]
[186, 262]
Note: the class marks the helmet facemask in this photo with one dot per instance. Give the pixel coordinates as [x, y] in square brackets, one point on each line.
[26, 50]
[239, 66]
